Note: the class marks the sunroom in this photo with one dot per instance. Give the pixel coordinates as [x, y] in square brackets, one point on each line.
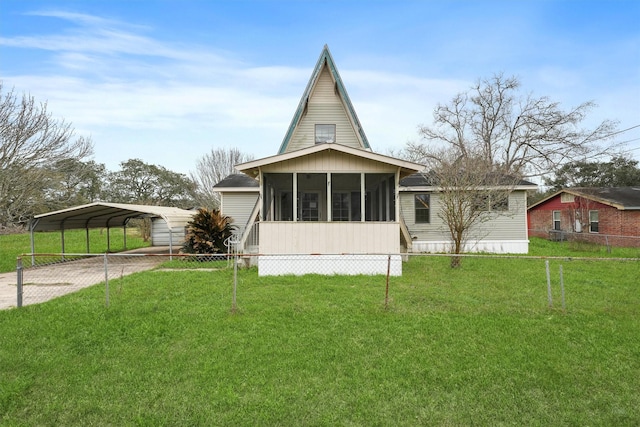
[345, 204]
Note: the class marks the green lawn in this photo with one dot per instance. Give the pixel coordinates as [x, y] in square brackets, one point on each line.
[473, 346]
[13, 245]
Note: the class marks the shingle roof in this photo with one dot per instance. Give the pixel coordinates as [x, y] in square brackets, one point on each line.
[429, 179]
[238, 180]
[627, 198]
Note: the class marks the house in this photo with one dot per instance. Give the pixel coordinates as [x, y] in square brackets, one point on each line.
[502, 230]
[326, 203]
[608, 216]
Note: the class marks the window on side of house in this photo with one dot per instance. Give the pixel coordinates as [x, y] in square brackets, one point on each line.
[422, 207]
[594, 224]
[556, 220]
[500, 202]
[325, 133]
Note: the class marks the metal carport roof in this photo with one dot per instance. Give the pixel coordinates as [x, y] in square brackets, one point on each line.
[101, 214]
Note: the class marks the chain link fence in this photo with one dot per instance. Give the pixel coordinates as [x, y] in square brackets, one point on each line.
[42, 277]
[586, 238]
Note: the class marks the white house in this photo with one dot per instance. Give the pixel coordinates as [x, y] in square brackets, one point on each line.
[326, 203]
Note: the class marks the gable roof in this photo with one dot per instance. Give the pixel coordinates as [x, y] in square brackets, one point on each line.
[251, 168]
[100, 214]
[325, 58]
[622, 198]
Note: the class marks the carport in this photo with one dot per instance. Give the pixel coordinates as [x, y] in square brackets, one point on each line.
[107, 215]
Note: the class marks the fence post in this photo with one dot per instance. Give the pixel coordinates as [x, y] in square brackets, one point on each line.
[106, 279]
[19, 273]
[562, 288]
[235, 281]
[386, 292]
[546, 263]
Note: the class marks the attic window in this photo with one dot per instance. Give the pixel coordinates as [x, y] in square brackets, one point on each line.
[566, 198]
[325, 133]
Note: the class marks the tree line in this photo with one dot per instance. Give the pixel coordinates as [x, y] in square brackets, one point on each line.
[479, 146]
[45, 167]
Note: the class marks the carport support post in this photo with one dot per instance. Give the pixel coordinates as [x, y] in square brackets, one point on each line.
[62, 237]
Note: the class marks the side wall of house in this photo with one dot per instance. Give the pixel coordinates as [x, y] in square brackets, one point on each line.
[504, 232]
[324, 107]
[615, 227]
[239, 207]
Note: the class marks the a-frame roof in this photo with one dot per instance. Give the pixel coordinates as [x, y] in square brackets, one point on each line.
[325, 58]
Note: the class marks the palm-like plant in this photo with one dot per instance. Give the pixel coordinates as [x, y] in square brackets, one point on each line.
[207, 232]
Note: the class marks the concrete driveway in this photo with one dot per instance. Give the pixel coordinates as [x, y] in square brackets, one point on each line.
[45, 282]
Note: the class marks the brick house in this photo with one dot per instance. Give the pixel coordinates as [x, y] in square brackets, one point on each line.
[600, 215]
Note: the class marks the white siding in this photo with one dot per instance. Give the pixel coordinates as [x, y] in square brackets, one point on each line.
[160, 233]
[239, 207]
[501, 233]
[324, 107]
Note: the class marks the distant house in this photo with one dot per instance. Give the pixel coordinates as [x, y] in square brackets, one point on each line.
[600, 215]
[326, 199]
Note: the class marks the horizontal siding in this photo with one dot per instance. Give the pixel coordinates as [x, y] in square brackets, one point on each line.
[329, 237]
[325, 107]
[511, 226]
[239, 207]
[160, 233]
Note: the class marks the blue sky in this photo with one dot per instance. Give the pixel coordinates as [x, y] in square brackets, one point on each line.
[166, 81]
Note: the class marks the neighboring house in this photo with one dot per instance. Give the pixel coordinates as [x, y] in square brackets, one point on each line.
[601, 215]
[326, 199]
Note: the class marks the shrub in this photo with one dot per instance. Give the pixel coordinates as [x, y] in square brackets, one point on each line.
[207, 232]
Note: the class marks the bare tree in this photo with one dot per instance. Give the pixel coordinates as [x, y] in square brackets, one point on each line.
[521, 135]
[470, 193]
[31, 142]
[212, 168]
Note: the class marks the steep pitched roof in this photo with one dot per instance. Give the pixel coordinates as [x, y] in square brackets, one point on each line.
[622, 198]
[325, 58]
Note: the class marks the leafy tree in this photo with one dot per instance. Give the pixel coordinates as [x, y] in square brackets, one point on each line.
[212, 168]
[139, 182]
[72, 182]
[207, 232]
[31, 143]
[520, 135]
[618, 172]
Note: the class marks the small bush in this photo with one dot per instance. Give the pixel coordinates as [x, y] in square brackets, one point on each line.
[207, 233]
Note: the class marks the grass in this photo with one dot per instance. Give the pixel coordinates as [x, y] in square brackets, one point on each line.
[473, 346]
[13, 245]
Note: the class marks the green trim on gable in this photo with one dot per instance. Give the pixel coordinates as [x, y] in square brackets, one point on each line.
[325, 58]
